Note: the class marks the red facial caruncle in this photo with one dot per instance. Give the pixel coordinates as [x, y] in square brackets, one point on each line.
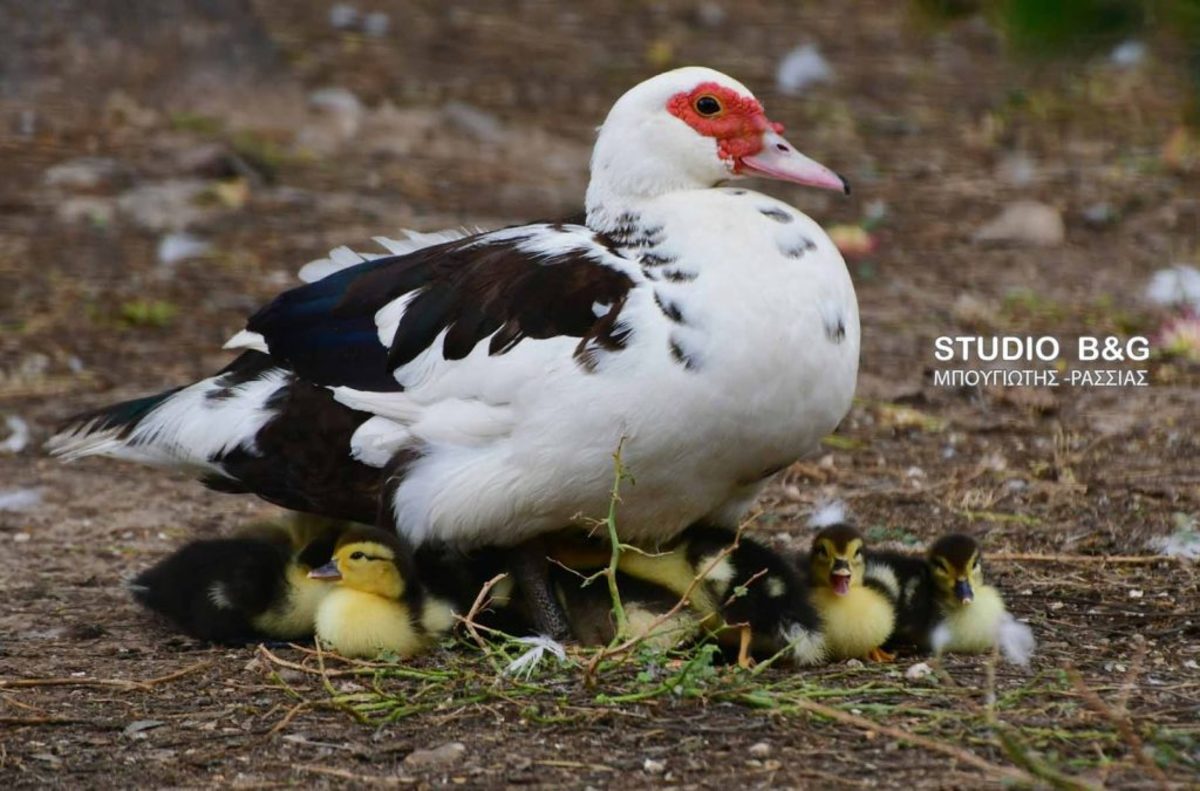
[737, 122]
[747, 141]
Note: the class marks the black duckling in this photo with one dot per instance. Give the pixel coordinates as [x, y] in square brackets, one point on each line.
[250, 586]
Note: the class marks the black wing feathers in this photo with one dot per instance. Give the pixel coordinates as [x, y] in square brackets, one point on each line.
[470, 289]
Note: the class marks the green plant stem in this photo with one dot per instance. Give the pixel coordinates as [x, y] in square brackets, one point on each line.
[614, 560]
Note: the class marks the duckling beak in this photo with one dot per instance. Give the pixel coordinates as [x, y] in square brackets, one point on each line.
[839, 578]
[327, 572]
[963, 592]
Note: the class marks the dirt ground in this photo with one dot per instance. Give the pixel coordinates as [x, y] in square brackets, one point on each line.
[483, 116]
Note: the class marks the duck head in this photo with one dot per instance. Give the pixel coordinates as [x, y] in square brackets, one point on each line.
[692, 128]
[836, 561]
[956, 564]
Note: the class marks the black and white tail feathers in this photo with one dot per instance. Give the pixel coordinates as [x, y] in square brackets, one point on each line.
[253, 427]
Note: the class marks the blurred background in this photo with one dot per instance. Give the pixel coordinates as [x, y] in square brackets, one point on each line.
[1019, 166]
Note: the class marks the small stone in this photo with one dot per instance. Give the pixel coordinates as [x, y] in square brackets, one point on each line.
[1099, 215]
[85, 174]
[760, 750]
[167, 205]
[1136, 594]
[20, 499]
[343, 16]
[443, 755]
[336, 101]
[710, 14]
[801, 68]
[476, 123]
[653, 767]
[377, 24]
[86, 209]
[1017, 169]
[1128, 54]
[1025, 223]
[180, 246]
[918, 671]
[854, 663]
[135, 729]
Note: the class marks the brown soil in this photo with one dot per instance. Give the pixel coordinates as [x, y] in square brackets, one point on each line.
[95, 693]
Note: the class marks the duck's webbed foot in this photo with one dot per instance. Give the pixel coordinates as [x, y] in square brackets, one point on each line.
[531, 571]
[745, 638]
[877, 654]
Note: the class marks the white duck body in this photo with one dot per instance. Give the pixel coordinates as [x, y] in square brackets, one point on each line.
[491, 377]
[770, 345]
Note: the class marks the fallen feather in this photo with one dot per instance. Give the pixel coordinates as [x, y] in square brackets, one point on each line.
[527, 663]
[18, 435]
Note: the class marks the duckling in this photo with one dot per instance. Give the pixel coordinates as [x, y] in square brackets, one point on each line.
[372, 608]
[944, 603]
[750, 597]
[247, 587]
[857, 618]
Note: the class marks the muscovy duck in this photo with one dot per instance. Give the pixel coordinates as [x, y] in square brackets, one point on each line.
[473, 391]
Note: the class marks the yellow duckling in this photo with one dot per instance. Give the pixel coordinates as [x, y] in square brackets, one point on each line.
[856, 618]
[372, 609]
[971, 616]
[944, 605]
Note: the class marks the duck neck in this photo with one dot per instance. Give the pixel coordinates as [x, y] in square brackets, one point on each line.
[624, 179]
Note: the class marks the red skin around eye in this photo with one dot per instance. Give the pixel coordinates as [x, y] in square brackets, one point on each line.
[738, 128]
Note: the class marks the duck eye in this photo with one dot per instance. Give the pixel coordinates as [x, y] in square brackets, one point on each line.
[708, 105]
[358, 556]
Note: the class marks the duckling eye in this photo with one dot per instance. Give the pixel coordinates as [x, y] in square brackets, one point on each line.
[358, 555]
[708, 106]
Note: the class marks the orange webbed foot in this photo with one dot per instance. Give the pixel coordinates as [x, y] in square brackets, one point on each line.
[877, 654]
[745, 661]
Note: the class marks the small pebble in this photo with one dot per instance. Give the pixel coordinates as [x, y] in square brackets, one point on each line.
[760, 750]
[442, 755]
[651, 766]
[918, 671]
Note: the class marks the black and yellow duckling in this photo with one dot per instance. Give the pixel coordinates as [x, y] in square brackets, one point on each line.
[857, 617]
[250, 586]
[944, 604]
[750, 597]
[371, 608]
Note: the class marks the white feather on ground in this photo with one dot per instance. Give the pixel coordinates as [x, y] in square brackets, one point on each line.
[524, 665]
[1177, 285]
[829, 513]
[1015, 639]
